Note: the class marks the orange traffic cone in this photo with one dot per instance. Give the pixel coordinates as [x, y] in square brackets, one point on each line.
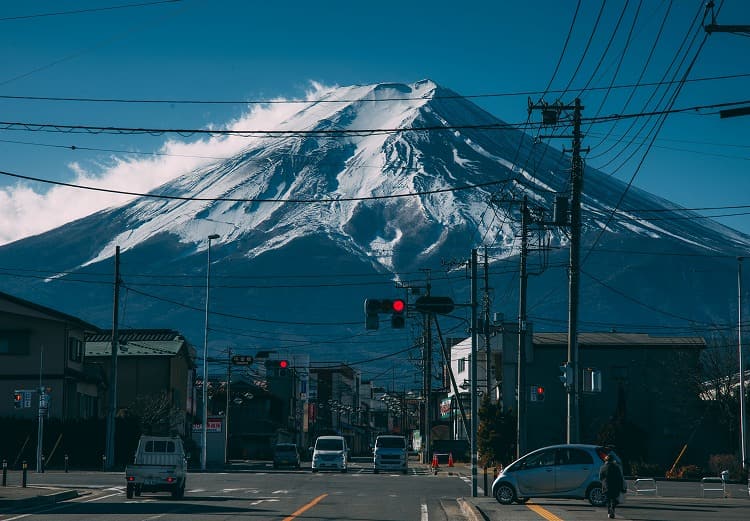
[435, 463]
[450, 459]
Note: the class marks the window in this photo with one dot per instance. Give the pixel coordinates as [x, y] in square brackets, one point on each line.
[75, 349]
[461, 365]
[543, 459]
[570, 456]
[14, 342]
[159, 446]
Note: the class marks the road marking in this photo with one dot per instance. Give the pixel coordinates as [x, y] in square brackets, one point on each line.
[103, 497]
[306, 507]
[546, 514]
[424, 514]
[282, 491]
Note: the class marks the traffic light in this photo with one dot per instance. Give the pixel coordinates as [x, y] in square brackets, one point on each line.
[372, 308]
[17, 399]
[376, 307]
[398, 307]
[566, 376]
[278, 367]
[536, 393]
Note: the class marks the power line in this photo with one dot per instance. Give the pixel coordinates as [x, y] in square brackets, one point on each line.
[90, 10]
[250, 200]
[527, 93]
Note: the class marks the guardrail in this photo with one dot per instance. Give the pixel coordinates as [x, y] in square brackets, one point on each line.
[713, 484]
[645, 485]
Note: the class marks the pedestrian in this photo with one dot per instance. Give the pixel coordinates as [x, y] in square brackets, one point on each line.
[613, 483]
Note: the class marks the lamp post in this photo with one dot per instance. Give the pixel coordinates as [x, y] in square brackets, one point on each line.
[205, 356]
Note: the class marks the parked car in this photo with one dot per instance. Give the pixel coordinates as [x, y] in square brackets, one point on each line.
[159, 466]
[330, 452]
[286, 455]
[563, 471]
[390, 453]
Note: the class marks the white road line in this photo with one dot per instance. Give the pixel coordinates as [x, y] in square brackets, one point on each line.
[424, 515]
[280, 492]
[103, 497]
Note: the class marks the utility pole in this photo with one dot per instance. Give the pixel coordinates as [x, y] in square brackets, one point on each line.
[41, 412]
[486, 326]
[713, 27]
[576, 183]
[550, 115]
[226, 412]
[427, 372]
[521, 361]
[740, 354]
[473, 369]
[109, 461]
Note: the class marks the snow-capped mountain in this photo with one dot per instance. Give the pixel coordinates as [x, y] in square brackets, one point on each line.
[363, 187]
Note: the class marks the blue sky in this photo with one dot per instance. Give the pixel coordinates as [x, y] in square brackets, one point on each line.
[223, 50]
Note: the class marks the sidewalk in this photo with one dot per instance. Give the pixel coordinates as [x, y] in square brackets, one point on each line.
[14, 498]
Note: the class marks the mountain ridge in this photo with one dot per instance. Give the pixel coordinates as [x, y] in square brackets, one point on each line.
[386, 205]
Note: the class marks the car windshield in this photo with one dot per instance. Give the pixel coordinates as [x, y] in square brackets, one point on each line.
[329, 444]
[390, 443]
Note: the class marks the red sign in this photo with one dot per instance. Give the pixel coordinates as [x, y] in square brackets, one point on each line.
[213, 425]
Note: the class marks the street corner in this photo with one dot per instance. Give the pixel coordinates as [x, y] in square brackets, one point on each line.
[469, 509]
[18, 498]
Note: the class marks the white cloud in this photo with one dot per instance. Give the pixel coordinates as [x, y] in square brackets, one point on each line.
[26, 211]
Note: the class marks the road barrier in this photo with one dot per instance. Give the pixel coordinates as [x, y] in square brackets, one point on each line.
[646, 485]
[713, 484]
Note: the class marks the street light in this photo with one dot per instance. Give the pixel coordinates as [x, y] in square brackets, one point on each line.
[205, 356]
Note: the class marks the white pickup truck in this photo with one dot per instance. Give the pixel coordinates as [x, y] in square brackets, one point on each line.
[159, 466]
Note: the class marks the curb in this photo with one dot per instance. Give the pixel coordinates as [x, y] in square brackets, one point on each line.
[41, 500]
[471, 512]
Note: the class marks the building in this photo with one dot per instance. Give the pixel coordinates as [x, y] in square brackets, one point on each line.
[638, 377]
[44, 348]
[153, 365]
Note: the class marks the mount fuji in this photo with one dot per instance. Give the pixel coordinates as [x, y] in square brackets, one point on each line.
[360, 193]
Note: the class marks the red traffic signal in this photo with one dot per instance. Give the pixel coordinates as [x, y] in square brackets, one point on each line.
[283, 364]
[539, 393]
[398, 305]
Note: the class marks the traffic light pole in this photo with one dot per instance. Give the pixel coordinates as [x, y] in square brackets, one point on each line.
[521, 361]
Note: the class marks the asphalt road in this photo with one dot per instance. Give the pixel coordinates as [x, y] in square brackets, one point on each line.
[257, 492]
[261, 493]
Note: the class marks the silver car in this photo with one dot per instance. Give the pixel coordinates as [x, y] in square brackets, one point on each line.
[564, 471]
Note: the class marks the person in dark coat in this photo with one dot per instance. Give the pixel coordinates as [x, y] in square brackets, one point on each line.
[613, 483]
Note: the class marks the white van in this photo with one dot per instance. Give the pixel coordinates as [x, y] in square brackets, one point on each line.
[330, 453]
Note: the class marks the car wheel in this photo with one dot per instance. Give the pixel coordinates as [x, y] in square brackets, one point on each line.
[314, 470]
[137, 491]
[343, 471]
[596, 496]
[375, 471]
[129, 491]
[505, 494]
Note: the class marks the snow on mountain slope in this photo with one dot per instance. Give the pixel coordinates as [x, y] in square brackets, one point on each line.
[283, 187]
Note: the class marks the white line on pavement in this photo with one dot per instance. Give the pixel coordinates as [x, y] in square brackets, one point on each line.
[424, 513]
